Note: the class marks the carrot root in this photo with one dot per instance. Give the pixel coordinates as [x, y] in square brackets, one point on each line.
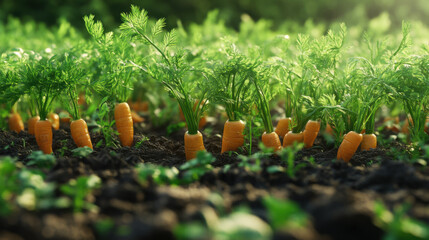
[136, 117]
[43, 131]
[291, 137]
[80, 134]
[32, 124]
[193, 144]
[271, 140]
[55, 120]
[312, 128]
[283, 127]
[369, 141]
[202, 123]
[349, 145]
[329, 130]
[233, 137]
[124, 124]
[15, 122]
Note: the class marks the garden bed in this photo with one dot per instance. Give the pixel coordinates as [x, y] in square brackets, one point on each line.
[339, 197]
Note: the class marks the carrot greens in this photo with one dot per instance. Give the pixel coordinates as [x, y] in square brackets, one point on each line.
[230, 85]
[182, 80]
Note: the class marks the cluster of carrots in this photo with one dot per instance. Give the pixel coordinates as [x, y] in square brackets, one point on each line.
[42, 129]
[233, 137]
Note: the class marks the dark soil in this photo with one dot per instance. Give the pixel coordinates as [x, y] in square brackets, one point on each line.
[339, 197]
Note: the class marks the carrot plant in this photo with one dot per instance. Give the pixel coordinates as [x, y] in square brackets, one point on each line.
[306, 80]
[112, 80]
[231, 88]
[44, 77]
[11, 90]
[73, 77]
[180, 78]
[411, 86]
[265, 89]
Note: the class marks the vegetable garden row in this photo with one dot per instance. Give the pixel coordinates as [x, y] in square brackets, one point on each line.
[278, 112]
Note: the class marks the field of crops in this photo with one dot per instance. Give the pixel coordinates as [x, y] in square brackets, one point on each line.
[208, 132]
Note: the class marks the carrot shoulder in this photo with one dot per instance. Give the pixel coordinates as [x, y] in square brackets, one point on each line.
[233, 137]
[15, 122]
[193, 144]
[124, 124]
[369, 141]
[80, 134]
[43, 131]
[310, 133]
[349, 145]
[291, 137]
[32, 124]
[283, 127]
[271, 140]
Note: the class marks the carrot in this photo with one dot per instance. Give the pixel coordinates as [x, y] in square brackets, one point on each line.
[43, 132]
[136, 117]
[349, 146]
[369, 141]
[124, 124]
[31, 124]
[405, 128]
[202, 122]
[142, 106]
[393, 124]
[291, 137]
[55, 120]
[15, 122]
[139, 105]
[233, 137]
[81, 101]
[271, 140]
[283, 127]
[80, 134]
[329, 130]
[193, 144]
[310, 133]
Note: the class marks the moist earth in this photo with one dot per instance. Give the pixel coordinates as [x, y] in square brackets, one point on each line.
[339, 197]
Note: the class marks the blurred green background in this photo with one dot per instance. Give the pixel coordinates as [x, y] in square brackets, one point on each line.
[326, 11]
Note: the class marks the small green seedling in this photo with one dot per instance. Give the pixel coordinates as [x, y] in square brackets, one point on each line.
[41, 160]
[82, 152]
[139, 143]
[8, 186]
[159, 174]
[79, 189]
[197, 167]
[397, 225]
[35, 193]
[253, 162]
[287, 155]
[104, 226]
[64, 147]
[285, 214]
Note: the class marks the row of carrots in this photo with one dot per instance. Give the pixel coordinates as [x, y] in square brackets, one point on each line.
[42, 129]
[232, 139]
